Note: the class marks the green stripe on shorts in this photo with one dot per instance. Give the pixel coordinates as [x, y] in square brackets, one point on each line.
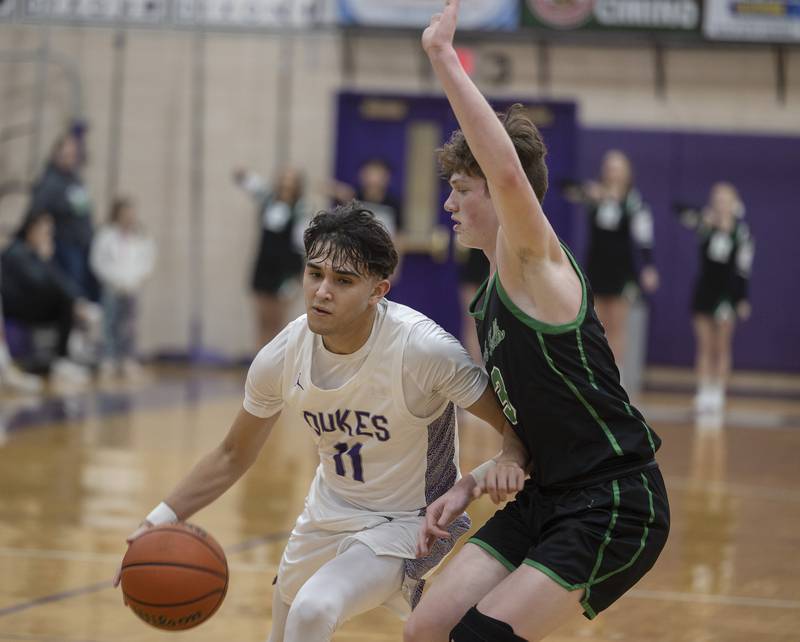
[493, 552]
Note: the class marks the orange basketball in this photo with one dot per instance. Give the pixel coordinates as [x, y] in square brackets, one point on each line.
[174, 576]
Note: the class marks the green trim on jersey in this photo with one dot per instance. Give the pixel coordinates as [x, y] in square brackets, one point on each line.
[483, 290]
[540, 326]
[493, 552]
[609, 435]
[606, 540]
[644, 536]
[646, 427]
[494, 280]
[583, 360]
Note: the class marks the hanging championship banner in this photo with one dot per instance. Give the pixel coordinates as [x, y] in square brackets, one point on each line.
[646, 15]
[756, 20]
[473, 15]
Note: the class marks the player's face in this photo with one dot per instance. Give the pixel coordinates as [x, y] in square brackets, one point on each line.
[472, 212]
[339, 301]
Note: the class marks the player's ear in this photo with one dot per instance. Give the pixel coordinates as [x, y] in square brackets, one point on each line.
[380, 290]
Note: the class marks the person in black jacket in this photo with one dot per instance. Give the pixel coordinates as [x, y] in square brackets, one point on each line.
[60, 191]
[721, 288]
[36, 292]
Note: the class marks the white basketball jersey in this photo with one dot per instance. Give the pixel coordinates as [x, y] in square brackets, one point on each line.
[374, 453]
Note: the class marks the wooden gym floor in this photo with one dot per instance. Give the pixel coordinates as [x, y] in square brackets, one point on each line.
[77, 473]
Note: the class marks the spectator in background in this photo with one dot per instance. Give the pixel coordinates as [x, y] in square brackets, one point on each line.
[620, 226]
[122, 257]
[721, 289]
[11, 377]
[36, 292]
[374, 179]
[282, 213]
[60, 191]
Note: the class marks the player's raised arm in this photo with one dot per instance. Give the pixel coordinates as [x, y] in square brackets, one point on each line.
[525, 230]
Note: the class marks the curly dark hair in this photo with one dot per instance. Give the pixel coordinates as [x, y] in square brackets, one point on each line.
[456, 156]
[351, 235]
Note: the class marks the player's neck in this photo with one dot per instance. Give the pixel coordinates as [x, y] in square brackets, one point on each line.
[354, 338]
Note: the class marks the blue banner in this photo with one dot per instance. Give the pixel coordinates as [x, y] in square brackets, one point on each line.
[474, 14]
[757, 21]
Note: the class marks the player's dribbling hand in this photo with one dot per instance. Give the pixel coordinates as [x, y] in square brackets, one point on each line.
[439, 34]
[143, 527]
[441, 512]
[504, 479]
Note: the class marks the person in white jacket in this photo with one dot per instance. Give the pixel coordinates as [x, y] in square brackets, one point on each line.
[122, 257]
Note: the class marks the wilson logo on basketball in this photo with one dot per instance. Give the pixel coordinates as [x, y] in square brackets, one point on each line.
[163, 622]
[563, 14]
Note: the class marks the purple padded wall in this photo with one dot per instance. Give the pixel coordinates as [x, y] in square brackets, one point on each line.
[681, 166]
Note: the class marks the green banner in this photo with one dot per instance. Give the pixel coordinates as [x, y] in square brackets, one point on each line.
[613, 15]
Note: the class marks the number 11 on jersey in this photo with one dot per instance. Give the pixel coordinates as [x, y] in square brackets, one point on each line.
[355, 458]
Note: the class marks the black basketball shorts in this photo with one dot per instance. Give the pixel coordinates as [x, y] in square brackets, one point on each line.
[600, 538]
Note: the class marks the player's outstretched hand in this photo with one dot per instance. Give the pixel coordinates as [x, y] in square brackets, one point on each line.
[443, 511]
[504, 479]
[440, 32]
[143, 528]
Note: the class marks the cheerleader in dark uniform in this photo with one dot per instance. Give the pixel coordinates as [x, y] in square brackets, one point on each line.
[720, 291]
[620, 226]
[279, 262]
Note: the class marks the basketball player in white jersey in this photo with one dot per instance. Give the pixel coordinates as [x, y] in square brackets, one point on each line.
[375, 384]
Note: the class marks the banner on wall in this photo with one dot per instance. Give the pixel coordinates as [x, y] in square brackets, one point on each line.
[756, 20]
[95, 11]
[251, 13]
[648, 15]
[474, 14]
[243, 14]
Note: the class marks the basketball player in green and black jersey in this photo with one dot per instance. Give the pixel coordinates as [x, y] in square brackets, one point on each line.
[594, 516]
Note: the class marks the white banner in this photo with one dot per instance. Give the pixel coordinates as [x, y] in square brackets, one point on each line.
[475, 14]
[753, 20]
[102, 11]
[251, 13]
[241, 14]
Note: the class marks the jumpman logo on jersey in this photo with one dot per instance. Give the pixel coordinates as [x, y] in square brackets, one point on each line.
[297, 383]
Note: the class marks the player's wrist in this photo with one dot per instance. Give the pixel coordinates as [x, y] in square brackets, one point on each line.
[479, 473]
[443, 54]
[162, 514]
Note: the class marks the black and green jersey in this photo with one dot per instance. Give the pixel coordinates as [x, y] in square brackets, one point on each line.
[560, 389]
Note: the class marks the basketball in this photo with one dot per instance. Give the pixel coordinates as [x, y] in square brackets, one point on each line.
[174, 576]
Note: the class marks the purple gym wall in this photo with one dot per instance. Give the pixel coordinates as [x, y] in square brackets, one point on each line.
[681, 166]
[423, 284]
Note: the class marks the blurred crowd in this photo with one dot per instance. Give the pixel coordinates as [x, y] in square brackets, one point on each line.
[69, 288]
